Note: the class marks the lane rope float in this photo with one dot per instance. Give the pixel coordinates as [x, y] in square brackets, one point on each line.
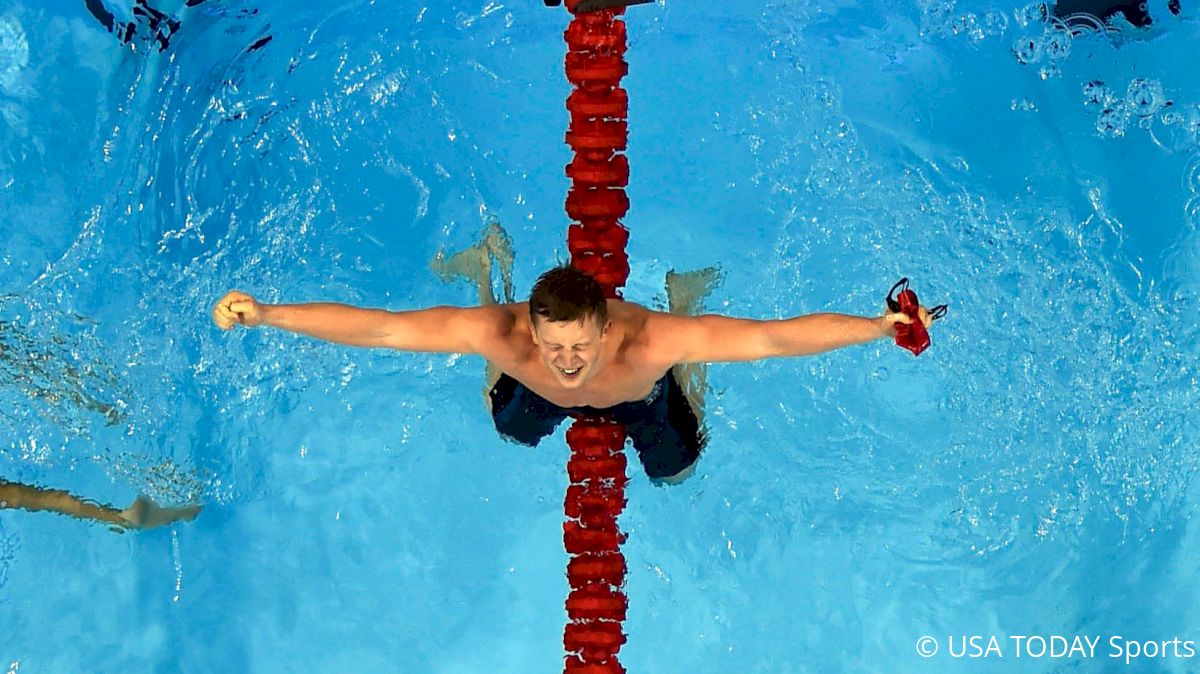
[596, 202]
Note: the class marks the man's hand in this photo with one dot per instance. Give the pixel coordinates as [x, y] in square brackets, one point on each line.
[237, 308]
[887, 322]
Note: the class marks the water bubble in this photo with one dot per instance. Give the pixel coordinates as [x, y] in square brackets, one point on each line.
[1191, 212]
[1037, 11]
[935, 17]
[1173, 118]
[1112, 121]
[960, 24]
[1175, 132]
[967, 24]
[1056, 42]
[1095, 92]
[1191, 175]
[994, 22]
[1023, 105]
[822, 179]
[1027, 50]
[1145, 96]
[1049, 71]
[823, 93]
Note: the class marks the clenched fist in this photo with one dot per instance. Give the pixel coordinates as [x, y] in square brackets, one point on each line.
[887, 322]
[237, 308]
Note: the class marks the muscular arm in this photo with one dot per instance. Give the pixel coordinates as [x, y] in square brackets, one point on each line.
[712, 338]
[439, 329]
[482, 330]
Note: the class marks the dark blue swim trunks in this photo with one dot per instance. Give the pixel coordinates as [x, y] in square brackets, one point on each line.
[663, 427]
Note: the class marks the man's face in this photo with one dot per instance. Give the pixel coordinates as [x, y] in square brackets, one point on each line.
[570, 349]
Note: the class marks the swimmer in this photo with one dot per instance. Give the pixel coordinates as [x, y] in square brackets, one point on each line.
[1076, 13]
[141, 514]
[587, 6]
[148, 24]
[568, 351]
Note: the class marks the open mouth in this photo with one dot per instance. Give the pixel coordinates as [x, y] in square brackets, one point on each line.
[569, 373]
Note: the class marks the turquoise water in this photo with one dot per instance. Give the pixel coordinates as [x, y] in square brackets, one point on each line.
[1033, 473]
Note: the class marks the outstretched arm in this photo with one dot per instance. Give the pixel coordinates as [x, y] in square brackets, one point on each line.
[713, 338]
[439, 329]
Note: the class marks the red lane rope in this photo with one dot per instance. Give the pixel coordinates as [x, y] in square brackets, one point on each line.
[596, 202]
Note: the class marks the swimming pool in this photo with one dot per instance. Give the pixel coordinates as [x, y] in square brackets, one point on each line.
[1033, 474]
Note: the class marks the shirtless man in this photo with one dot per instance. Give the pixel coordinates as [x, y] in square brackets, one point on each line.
[569, 352]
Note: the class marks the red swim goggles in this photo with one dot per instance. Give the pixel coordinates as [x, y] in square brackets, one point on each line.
[912, 336]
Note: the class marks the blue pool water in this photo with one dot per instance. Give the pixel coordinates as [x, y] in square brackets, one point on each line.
[1034, 473]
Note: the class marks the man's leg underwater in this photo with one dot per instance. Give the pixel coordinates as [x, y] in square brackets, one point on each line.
[475, 265]
[686, 293]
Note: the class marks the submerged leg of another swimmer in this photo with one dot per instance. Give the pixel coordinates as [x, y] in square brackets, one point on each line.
[686, 293]
[142, 514]
[475, 265]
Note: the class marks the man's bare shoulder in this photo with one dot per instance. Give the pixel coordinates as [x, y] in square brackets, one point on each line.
[653, 337]
[494, 320]
[499, 332]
